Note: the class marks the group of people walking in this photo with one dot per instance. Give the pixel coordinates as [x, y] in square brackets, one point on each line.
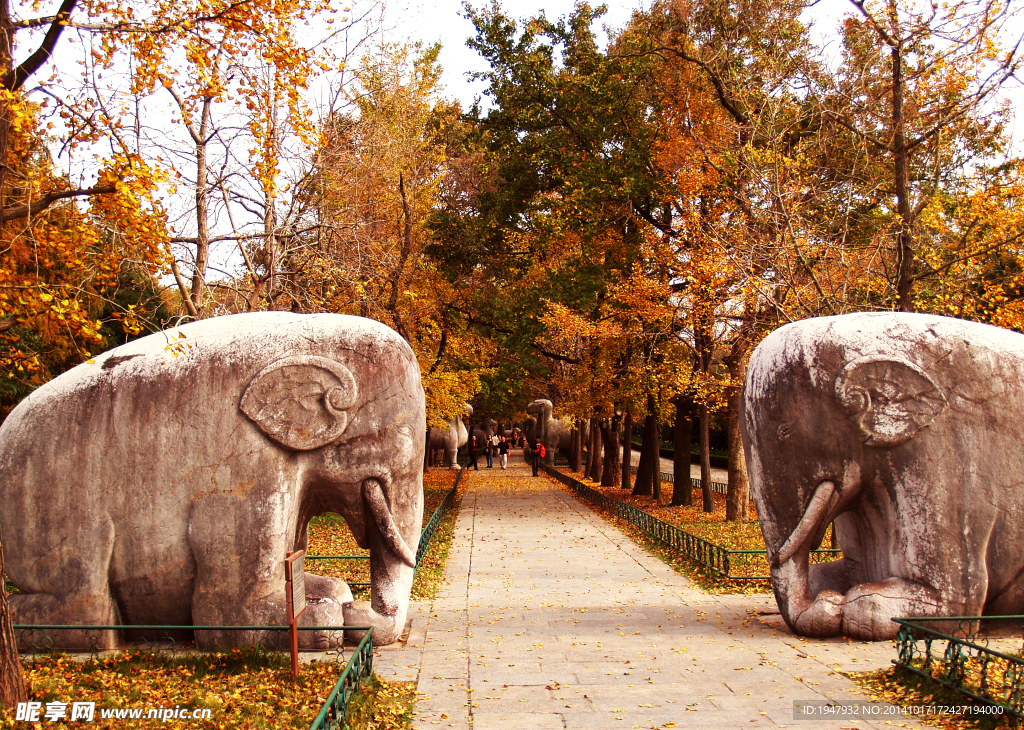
[499, 446]
[494, 446]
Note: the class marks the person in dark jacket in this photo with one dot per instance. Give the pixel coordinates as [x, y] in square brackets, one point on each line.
[472, 453]
[537, 450]
[503, 446]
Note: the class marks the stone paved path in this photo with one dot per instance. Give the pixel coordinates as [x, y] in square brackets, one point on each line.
[552, 618]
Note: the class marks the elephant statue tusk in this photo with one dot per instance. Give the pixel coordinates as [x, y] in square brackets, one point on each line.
[373, 494]
[809, 523]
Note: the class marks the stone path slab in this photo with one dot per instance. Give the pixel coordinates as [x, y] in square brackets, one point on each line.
[552, 618]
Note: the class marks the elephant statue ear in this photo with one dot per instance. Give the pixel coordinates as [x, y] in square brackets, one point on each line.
[890, 399]
[301, 402]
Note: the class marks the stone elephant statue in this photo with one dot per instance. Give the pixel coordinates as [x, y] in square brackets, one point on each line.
[903, 429]
[554, 433]
[451, 439]
[165, 481]
[483, 432]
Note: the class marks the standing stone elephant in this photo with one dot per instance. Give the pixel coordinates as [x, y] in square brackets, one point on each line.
[451, 439]
[554, 433]
[483, 432]
[164, 482]
[903, 429]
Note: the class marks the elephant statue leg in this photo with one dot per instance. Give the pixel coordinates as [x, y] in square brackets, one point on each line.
[62, 591]
[225, 596]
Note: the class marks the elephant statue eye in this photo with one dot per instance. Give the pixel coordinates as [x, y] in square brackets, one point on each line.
[783, 432]
[339, 398]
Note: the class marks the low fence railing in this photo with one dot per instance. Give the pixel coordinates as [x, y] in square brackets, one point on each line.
[698, 484]
[964, 661]
[426, 534]
[435, 519]
[731, 564]
[357, 670]
[40, 639]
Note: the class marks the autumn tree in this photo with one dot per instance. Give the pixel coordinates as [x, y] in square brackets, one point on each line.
[727, 90]
[915, 101]
[58, 258]
[379, 173]
[73, 282]
[553, 236]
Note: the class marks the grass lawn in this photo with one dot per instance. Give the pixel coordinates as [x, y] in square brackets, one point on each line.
[241, 688]
[900, 687]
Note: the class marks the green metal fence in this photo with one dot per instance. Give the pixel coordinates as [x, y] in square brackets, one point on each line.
[732, 564]
[435, 519]
[38, 639]
[357, 670]
[963, 659]
[716, 487]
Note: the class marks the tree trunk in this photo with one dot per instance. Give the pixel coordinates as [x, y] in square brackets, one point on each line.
[596, 462]
[653, 435]
[426, 454]
[737, 498]
[12, 684]
[705, 458]
[901, 164]
[682, 492]
[644, 484]
[197, 292]
[574, 449]
[627, 450]
[612, 469]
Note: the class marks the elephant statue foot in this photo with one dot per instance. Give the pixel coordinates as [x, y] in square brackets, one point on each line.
[868, 609]
[326, 599]
[864, 612]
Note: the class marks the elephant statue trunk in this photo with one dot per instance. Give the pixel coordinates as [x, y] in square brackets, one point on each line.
[809, 614]
[812, 525]
[391, 579]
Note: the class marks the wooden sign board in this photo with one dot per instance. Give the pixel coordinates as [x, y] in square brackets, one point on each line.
[295, 595]
[296, 577]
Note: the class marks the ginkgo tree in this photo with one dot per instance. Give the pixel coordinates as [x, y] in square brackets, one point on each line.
[379, 171]
[58, 258]
[914, 109]
[72, 281]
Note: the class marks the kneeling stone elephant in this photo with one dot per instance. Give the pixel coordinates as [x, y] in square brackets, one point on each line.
[903, 429]
[164, 482]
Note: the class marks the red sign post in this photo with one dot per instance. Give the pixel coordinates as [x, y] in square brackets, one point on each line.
[295, 593]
